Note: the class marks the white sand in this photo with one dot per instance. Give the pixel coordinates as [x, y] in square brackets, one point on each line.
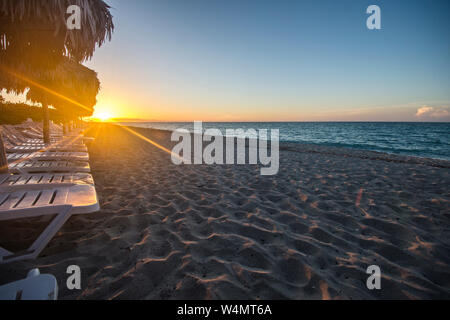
[225, 232]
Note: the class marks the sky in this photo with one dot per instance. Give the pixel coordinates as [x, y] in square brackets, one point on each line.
[257, 60]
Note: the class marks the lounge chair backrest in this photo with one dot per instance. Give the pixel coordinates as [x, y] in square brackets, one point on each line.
[9, 137]
[31, 134]
[13, 135]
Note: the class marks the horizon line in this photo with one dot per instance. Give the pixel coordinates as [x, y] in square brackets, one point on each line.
[136, 120]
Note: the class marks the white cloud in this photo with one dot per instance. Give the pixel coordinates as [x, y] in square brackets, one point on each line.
[434, 113]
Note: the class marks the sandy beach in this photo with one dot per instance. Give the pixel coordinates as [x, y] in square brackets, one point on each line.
[226, 232]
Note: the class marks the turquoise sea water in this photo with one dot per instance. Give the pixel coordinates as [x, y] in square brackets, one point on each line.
[431, 140]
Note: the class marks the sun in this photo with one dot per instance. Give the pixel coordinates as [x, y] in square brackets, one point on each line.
[103, 116]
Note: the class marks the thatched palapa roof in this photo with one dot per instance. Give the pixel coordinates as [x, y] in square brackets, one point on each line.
[36, 30]
[37, 50]
[71, 88]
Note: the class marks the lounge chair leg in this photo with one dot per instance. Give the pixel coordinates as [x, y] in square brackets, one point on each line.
[44, 238]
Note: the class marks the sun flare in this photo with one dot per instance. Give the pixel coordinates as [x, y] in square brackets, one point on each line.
[103, 116]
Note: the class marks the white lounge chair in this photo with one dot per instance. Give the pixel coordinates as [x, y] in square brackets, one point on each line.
[35, 286]
[25, 137]
[34, 130]
[42, 180]
[37, 166]
[52, 156]
[34, 200]
[15, 142]
[38, 126]
[33, 136]
[34, 163]
[29, 149]
[12, 148]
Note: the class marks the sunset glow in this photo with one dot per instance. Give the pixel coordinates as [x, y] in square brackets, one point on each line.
[319, 70]
[102, 116]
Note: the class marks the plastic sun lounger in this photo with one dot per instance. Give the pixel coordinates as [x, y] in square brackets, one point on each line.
[35, 286]
[35, 166]
[36, 132]
[52, 156]
[66, 141]
[30, 138]
[40, 180]
[38, 148]
[18, 141]
[54, 145]
[16, 137]
[33, 137]
[28, 201]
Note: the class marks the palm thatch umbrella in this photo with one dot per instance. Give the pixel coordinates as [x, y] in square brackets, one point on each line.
[34, 38]
[71, 88]
[36, 31]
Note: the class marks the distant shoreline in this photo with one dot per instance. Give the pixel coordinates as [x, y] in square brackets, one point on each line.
[157, 121]
[373, 153]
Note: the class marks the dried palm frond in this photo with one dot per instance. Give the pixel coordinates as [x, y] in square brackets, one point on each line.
[36, 30]
[71, 87]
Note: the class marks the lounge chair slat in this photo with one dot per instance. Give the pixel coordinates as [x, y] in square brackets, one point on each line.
[12, 200]
[22, 180]
[45, 197]
[57, 178]
[3, 197]
[12, 179]
[61, 196]
[3, 178]
[35, 179]
[29, 200]
[47, 178]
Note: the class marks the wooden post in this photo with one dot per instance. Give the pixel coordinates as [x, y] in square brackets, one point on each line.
[46, 124]
[3, 160]
[64, 124]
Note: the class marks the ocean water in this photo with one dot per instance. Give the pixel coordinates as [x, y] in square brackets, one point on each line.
[430, 140]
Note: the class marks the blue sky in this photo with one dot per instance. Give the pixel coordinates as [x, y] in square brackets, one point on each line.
[255, 60]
